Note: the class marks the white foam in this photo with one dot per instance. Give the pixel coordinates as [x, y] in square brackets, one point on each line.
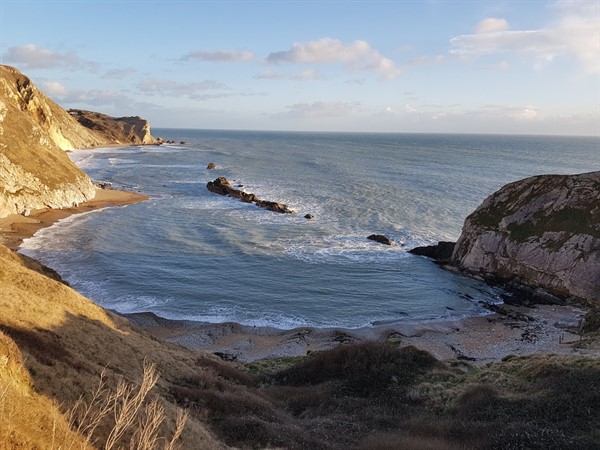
[42, 238]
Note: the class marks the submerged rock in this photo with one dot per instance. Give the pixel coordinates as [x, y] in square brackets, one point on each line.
[380, 238]
[211, 166]
[309, 216]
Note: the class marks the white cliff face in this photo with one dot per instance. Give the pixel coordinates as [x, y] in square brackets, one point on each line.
[35, 172]
[22, 191]
[543, 231]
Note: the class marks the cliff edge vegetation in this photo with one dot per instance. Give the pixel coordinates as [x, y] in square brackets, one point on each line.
[542, 231]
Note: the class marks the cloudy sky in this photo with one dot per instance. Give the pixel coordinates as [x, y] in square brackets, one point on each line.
[528, 67]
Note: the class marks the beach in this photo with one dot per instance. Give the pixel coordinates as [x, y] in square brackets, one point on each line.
[543, 329]
[15, 228]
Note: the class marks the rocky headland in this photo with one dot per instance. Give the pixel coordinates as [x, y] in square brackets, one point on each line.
[117, 130]
[543, 231]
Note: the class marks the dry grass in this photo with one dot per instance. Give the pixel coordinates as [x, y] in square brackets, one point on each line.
[65, 343]
[57, 348]
[129, 413]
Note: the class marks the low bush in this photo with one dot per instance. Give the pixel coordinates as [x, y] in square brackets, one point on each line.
[365, 368]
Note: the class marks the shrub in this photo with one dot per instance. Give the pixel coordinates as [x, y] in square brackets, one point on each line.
[365, 368]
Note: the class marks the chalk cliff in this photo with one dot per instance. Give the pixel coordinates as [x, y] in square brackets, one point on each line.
[543, 231]
[35, 172]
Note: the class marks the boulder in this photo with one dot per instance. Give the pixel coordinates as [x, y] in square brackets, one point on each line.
[211, 166]
[273, 206]
[309, 216]
[220, 186]
[442, 251]
[380, 238]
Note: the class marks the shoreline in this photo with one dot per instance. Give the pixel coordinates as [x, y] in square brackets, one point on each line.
[14, 229]
[478, 340]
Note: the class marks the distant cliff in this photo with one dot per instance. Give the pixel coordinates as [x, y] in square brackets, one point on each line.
[117, 130]
[543, 231]
[35, 172]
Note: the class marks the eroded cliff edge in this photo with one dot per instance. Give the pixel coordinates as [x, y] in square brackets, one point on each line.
[542, 231]
[35, 172]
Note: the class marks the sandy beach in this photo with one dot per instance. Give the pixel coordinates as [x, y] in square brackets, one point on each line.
[516, 330]
[478, 340]
[15, 228]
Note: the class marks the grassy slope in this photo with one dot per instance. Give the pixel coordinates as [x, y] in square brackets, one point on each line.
[54, 344]
[63, 343]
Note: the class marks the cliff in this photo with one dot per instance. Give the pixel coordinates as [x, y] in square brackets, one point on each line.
[543, 231]
[35, 172]
[118, 130]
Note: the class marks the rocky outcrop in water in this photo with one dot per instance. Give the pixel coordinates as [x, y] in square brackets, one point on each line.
[543, 231]
[380, 238]
[442, 251]
[222, 186]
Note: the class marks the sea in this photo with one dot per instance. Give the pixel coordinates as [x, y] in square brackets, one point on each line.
[188, 253]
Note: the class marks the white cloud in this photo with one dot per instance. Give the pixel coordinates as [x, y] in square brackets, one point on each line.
[357, 81]
[539, 42]
[528, 113]
[219, 56]
[303, 76]
[108, 101]
[323, 109]
[491, 25]
[423, 60]
[358, 55]
[576, 33]
[502, 65]
[30, 56]
[195, 90]
[118, 74]
[53, 88]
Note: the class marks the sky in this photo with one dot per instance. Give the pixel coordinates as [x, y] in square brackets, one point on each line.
[517, 67]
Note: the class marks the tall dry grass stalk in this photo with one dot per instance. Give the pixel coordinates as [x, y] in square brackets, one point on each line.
[126, 403]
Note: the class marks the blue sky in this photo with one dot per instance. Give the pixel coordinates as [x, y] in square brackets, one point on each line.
[525, 67]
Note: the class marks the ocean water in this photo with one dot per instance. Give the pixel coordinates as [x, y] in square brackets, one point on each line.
[188, 253]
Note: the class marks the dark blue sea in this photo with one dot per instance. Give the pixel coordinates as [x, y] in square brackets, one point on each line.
[188, 253]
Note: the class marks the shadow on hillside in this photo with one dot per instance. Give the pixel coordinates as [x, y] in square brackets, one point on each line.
[370, 395]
